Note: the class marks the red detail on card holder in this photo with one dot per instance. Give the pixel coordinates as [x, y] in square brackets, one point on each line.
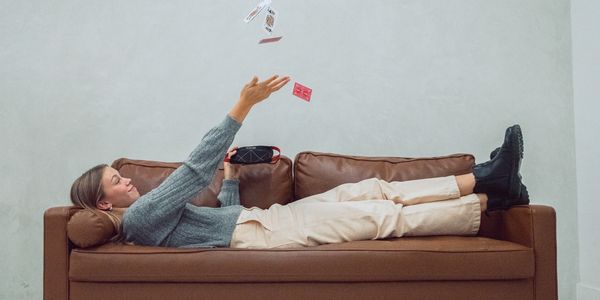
[302, 91]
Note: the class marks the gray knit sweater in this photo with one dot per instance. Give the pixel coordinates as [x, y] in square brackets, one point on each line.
[164, 216]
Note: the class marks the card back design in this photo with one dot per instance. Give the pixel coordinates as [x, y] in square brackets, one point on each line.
[302, 92]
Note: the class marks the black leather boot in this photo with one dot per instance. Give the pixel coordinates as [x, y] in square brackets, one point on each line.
[500, 202]
[524, 197]
[499, 177]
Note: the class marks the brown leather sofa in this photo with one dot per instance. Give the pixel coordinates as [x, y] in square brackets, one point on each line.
[512, 257]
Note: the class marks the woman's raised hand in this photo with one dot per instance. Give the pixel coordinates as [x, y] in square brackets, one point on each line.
[255, 92]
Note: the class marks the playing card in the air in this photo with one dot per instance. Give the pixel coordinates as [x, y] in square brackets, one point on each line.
[256, 11]
[270, 40]
[302, 91]
[270, 20]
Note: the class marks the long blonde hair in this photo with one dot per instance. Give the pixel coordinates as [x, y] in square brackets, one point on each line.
[87, 190]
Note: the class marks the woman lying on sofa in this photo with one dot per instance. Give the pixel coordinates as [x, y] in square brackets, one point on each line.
[369, 209]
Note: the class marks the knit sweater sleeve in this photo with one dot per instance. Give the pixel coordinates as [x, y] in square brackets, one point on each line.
[151, 219]
[230, 192]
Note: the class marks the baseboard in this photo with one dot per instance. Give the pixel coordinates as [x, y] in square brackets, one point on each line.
[586, 292]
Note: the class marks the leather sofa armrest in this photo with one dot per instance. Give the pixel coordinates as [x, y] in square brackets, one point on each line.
[532, 226]
[56, 253]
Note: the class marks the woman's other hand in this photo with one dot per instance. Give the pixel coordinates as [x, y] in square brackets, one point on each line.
[231, 171]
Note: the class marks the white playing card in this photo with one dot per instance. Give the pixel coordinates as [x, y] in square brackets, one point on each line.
[270, 20]
[256, 11]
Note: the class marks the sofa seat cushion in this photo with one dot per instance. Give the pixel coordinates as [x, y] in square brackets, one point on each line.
[411, 258]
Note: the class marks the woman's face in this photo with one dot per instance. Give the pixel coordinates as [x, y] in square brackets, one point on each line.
[118, 191]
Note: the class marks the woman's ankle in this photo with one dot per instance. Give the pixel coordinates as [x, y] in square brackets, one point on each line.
[466, 183]
[483, 199]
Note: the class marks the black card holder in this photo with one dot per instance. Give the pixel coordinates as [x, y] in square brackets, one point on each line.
[255, 155]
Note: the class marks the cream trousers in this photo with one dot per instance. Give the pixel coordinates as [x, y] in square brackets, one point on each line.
[367, 210]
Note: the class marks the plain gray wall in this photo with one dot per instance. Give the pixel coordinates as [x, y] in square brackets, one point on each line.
[88, 82]
[586, 91]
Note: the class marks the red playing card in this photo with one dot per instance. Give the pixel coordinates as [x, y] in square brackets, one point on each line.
[302, 91]
[270, 40]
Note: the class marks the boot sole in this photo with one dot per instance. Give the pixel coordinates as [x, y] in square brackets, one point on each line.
[495, 152]
[517, 147]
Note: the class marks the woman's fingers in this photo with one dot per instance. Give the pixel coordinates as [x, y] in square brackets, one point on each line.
[232, 152]
[253, 81]
[279, 80]
[268, 81]
[280, 83]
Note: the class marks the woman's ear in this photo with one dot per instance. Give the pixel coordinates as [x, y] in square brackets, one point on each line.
[104, 205]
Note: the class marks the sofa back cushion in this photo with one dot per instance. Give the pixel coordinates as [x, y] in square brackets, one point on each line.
[316, 172]
[261, 185]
